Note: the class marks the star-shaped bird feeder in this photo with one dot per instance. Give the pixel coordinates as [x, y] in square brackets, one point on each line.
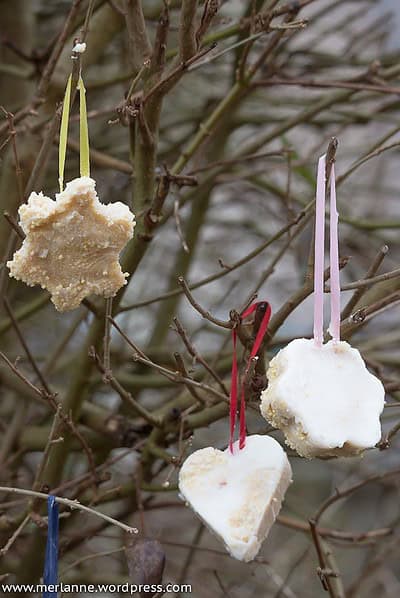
[72, 244]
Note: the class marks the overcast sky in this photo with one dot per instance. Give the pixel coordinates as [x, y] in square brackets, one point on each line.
[394, 6]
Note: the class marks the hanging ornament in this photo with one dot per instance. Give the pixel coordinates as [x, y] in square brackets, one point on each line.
[238, 492]
[72, 244]
[322, 396]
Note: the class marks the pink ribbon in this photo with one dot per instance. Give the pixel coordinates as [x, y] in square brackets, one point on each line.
[334, 260]
[319, 254]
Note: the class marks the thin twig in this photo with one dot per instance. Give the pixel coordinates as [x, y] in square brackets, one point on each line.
[54, 426]
[15, 535]
[197, 356]
[14, 224]
[109, 378]
[355, 299]
[178, 225]
[107, 336]
[245, 260]
[182, 369]
[72, 504]
[171, 375]
[206, 314]
[25, 347]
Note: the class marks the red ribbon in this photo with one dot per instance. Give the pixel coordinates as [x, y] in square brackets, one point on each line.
[234, 376]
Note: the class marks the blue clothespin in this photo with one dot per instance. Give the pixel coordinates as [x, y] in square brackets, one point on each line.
[50, 574]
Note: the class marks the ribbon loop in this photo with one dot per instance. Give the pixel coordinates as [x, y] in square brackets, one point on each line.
[50, 574]
[260, 306]
[334, 327]
[62, 147]
[84, 161]
[319, 252]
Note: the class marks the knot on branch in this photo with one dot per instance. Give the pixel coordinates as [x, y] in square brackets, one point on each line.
[235, 318]
[153, 215]
[359, 316]
[324, 574]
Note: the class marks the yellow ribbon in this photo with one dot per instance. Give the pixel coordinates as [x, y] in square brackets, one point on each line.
[62, 149]
[84, 161]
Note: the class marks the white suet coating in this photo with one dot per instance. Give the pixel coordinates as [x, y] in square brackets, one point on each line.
[324, 399]
[72, 244]
[238, 496]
